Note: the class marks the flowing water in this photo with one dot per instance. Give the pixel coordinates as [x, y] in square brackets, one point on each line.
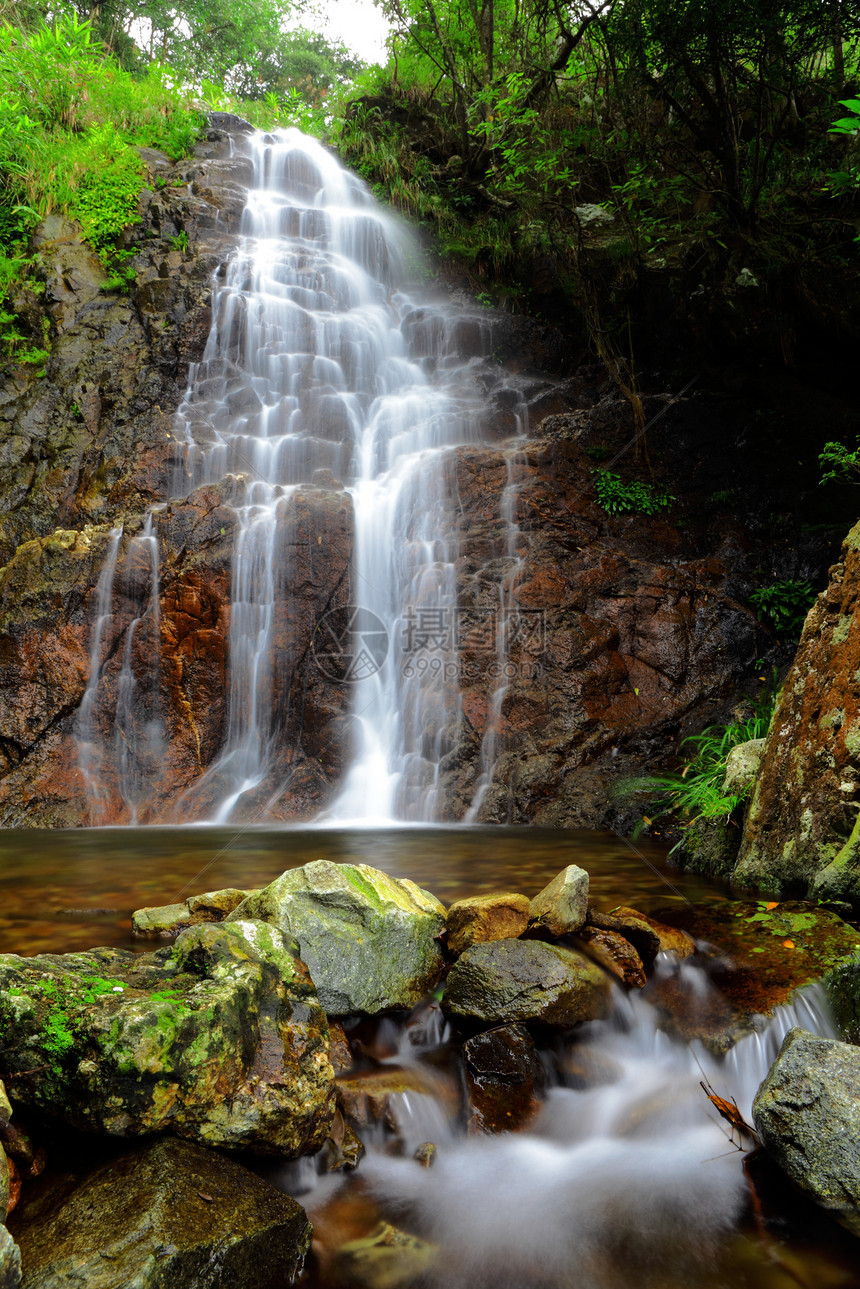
[626, 1176]
[324, 367]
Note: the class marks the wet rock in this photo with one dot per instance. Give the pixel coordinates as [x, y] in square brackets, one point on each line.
[371, 1099]
[388, 1258]
[220, 1039]
[369, 940]
[216, 905]
[807, 1112]
[647, 936]
[711, 846]
[614, 954]
[167, 920]
[741, 766]
[482, 918]
[757, 958]
[801, 832]
[503, 1075]
[562, 905]
[425, 1154]
[518, 980]
[10, 1261]
[20, 1147]
[164, 920]
[5, 1185]
[620, 631]
[343, 1149]
[341, 1054]
[669, 938]
[644, 938]
[169, 1213]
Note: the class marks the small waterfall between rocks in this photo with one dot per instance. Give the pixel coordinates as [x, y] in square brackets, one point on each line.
[324, 371]
[626, 1176]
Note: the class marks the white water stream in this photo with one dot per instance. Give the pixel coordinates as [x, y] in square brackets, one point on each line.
[325, 367]
[630, 1179]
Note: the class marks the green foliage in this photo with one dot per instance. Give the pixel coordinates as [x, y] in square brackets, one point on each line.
[696, 791]
[848, 124]
[71, 120]
[841, 463]
[784, 604]
[617, 497]
[105, 200]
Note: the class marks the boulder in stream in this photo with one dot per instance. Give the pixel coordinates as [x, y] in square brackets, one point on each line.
[370, 941]
[562, 905]
[167, 1215]
[481, 918]
[525, 980]
[807, 1113]
[220, 1038]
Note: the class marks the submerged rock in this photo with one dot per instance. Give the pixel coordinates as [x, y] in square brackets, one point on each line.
[521, 980]
[482, 918]
[388, 1258]
[370, 941]
[807, 1112]
[169, 1215]
[759, 957]
[562, 905]
[220, 1039]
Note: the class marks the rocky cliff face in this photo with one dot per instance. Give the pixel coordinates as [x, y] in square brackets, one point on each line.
[629, 630]
[802, 830]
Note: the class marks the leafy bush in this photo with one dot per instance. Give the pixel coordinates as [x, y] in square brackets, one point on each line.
[696, 791]
[840, 462]
[784, 604]
[71, 120]
[617, 497]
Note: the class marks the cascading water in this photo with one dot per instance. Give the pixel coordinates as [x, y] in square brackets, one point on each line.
[627, 1176]
[323, 367]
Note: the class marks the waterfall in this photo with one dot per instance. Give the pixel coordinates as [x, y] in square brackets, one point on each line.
[326, 367]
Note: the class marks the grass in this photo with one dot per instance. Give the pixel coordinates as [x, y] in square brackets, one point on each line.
[696, 791]
[71, 121]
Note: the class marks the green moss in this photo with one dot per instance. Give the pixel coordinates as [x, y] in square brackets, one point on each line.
[362, 885]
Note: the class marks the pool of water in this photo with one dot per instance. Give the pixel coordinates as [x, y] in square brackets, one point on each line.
[62, 891]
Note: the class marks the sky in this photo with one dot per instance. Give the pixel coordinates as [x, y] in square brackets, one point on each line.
[359, 24]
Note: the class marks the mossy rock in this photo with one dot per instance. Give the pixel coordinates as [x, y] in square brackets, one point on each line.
[763, 955]
[370, 941]
[508, 981]
[168, 1215]
[220, 1039]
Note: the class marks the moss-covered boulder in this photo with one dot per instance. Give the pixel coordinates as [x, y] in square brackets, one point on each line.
[220, 1038]
[807, 1113]
[169, 1215]
[165, 921]
[525, 980]
[370, 941]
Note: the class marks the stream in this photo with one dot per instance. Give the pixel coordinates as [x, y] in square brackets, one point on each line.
[626, 1175]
